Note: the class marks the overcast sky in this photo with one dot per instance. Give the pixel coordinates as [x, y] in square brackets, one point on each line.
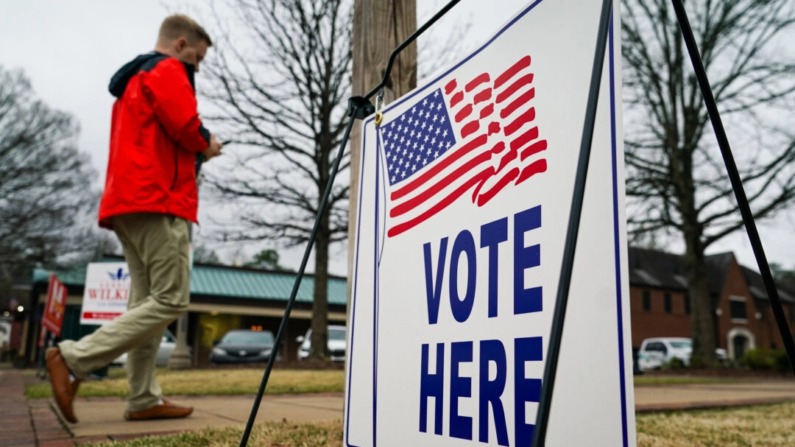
[69, 50]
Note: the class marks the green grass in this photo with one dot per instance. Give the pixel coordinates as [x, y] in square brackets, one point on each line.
[682, 380]
[268, 434]
[761, 426]
[246, 381]
[210, 382]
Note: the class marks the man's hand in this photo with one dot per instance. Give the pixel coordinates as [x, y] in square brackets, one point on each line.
[214, 149]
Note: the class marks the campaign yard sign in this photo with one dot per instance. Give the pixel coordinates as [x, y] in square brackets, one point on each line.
[55, 306]
[465, 194]
[106, 292]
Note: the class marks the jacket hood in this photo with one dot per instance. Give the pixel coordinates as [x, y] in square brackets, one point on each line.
[144, 62]
[118, 83]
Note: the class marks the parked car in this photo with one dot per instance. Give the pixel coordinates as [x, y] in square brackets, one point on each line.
[5, 332]
[336, 343]
[167, 346]
[5, 338]
[243, 346]
[656, 352]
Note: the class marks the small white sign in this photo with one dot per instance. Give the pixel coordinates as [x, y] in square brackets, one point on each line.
[106, 292]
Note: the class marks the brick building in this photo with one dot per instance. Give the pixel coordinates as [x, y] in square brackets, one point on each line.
[660, 305]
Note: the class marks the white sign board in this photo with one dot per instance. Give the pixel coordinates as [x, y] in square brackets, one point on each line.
[106, 292]
[465, 193]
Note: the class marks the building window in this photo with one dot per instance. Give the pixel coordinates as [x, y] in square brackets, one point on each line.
[687, 304]
[737, 309]
[761, 311]
[667, 303]
[646, 301]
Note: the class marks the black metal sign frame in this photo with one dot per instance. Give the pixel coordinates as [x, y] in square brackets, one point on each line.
[558, 319]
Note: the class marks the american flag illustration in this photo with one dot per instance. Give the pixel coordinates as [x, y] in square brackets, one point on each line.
[473, 137]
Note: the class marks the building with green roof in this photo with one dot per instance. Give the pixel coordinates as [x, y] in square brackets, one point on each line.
[222, 298]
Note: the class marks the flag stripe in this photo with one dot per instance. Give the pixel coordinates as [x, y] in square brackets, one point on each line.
[510, 90]
[534, 148]
[511, 72]
[444, 203]
[523, 119]
[520, 141]
[480, 79]
[470, 128]
[502, 183]
[463, 113]
[499, 147]
[438, 167]
[519, 102]
[412, 203]
[450, 87]
[534, 168]
[485, 95]
[487, 111]
[507, 158]
[458, 97]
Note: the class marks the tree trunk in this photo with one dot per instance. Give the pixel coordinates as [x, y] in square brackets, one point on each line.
[378, 27]
[703, 322]
[319, 341]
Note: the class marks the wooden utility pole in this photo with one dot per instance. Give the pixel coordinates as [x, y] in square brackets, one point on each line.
[378, 27]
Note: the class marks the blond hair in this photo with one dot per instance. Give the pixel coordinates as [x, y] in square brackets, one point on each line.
[180, 25]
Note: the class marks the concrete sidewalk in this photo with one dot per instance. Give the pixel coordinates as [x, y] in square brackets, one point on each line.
[703, 396]
[37, 423]
[102, 417]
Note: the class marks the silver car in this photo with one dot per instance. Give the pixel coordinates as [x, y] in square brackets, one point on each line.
[336, 343]
[167, 346]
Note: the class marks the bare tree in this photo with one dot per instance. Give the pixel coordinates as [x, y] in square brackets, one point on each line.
[280, 93]
[676, 181]
[45, 182]
[442, 45]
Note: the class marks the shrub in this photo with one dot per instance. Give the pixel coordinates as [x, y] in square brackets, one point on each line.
[675, 363]
[758, 358]
[766, 359]
[781, 361]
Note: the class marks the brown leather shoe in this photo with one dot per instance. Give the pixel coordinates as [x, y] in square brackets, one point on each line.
[166, 410]
[62, 389]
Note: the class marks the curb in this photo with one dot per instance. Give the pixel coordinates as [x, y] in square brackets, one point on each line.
[708, 405]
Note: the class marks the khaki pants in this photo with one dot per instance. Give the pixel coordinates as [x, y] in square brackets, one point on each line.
[156, 249]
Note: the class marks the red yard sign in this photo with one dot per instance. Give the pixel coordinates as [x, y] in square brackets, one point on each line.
[55, 307]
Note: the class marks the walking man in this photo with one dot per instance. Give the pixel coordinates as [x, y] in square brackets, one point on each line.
[149, 199]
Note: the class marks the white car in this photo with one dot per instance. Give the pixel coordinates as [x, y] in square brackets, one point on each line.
[5, 333]
[336, 343]
[5, 338]
[167, 346]
[656, 352]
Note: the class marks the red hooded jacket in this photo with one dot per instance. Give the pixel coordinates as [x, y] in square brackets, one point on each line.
[155, 139]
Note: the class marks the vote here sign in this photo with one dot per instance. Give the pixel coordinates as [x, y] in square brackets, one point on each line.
[464, 198]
